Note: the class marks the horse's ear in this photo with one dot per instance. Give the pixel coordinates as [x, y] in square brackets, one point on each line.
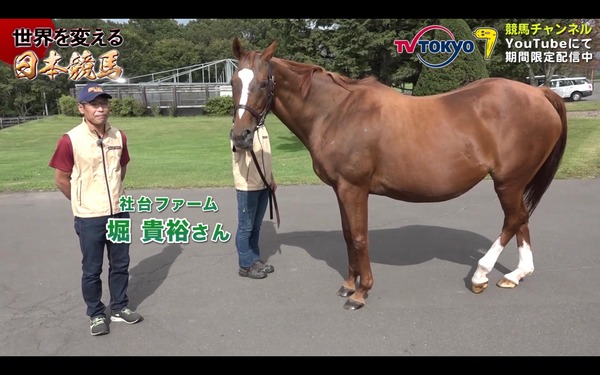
[238, 51]
[269, 51]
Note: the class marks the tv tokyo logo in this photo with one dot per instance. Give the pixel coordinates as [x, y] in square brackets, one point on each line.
[452, 47]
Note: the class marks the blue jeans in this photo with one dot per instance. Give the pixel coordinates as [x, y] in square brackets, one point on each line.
[92, 241]
[252, 206]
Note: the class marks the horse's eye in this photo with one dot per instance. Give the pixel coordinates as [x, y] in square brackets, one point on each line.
[263, 84]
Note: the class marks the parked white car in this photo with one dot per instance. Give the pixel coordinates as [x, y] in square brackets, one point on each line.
[573, 88]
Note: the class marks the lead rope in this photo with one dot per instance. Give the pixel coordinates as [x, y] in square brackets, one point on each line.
[272, 198]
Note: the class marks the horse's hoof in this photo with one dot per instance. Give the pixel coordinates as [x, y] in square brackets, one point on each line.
[352, 305]
[506, 283]
[345, 292]
[478, 288]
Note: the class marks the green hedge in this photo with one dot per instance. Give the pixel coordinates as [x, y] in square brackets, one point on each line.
[128, 107]
[219, 106]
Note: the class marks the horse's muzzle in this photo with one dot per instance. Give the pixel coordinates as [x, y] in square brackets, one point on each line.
[244, 141]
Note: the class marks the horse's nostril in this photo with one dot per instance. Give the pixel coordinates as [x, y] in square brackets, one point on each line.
[241, 144]
[245, 133]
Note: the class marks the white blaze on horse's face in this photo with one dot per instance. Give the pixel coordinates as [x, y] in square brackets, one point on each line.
[246, 76]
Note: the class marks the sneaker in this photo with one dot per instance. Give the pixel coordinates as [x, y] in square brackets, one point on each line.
[126, 315]
[255, 271]
[99, 326]
[265, 267]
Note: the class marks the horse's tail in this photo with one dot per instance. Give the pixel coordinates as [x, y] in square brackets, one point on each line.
[544, 176]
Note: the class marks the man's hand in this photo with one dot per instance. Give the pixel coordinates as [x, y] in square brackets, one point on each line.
[62, 180]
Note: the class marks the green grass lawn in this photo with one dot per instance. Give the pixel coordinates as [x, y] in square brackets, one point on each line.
[193, 152]
[166, 152]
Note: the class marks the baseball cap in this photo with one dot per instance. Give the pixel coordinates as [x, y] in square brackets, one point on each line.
[91, 91]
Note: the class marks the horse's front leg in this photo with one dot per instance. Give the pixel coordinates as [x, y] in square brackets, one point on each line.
[353, 204]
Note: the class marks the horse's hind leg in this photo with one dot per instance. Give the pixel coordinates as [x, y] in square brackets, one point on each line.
[515, 222]
[525, 265]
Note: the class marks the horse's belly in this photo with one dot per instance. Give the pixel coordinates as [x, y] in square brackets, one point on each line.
[427, 187]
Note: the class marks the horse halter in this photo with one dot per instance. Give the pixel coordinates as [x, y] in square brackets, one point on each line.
[261, 121]
[270, 96]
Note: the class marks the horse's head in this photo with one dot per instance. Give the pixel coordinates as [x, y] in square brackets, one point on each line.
[253, 93]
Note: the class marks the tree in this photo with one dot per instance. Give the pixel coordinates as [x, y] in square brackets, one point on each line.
[361, 47]
[173, 53]
[7, 80]
[295, 39]
[586, 67]
[156, 29]
[22, 97]
[466, 68]
[134, 53]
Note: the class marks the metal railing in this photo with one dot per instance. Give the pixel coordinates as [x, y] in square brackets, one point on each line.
[191, 97]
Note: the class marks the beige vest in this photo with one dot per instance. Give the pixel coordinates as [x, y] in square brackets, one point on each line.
[96, 183]
[245, 173]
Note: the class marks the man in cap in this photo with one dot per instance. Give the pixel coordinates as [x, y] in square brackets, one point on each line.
[90, 163]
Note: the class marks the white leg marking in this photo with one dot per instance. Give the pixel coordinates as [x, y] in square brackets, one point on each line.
[525, 267]
[246, 76]
[486, 263]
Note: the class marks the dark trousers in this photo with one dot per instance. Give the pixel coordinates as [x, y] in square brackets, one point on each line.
[92, 241]
[252, 206]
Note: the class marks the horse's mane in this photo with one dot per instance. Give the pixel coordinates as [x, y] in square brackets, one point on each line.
[306, 72]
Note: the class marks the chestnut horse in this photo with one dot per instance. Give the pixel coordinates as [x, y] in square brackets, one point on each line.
[366, 138]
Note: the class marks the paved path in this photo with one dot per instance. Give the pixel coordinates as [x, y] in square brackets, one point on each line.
[423, 255]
